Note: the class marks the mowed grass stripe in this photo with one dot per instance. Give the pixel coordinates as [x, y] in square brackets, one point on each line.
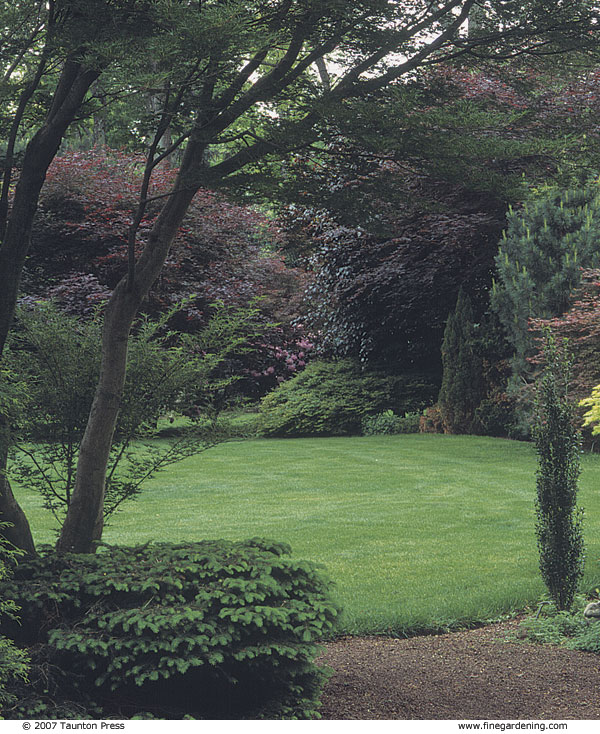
[417, 531]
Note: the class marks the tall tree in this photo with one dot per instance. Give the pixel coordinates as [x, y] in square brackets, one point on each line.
[80, 39]
[462, 380]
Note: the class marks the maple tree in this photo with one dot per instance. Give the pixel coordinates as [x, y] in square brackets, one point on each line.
[225, 253]
[51, 54]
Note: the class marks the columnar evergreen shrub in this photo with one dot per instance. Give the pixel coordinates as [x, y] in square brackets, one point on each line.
[559, 521]
[462, 379]
[332, 398]
[213, 629]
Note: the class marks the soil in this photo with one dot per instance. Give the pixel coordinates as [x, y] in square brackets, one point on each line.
[485, 673]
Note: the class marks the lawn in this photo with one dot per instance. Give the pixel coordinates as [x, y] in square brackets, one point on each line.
[417, 531]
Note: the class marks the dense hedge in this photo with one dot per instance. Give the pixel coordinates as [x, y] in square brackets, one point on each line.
[332, 398]
[213, 629]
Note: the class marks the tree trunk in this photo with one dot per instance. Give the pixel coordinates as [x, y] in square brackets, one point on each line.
[84, 521]
[70, 93]
[324, 74]
[99, 120]
[18, 533]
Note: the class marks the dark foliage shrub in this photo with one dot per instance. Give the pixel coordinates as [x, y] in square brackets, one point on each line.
[431, 420]
[390, 423]
[495, 416]
[214, 629]
[462, 380]
[13, 662]
[388, 302]
[332, 398]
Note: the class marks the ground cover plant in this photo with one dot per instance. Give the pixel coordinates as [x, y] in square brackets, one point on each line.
[418, 532]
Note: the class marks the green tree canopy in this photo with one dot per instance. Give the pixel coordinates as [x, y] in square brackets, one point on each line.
[539, 261]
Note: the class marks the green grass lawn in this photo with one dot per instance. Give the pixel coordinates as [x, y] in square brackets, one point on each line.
[417, 531]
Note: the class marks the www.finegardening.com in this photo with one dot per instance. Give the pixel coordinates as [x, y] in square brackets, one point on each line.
[510, 725]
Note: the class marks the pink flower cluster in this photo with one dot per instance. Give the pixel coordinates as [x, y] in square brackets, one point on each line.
[286, 361]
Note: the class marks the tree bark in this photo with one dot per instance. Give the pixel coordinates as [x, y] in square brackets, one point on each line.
[84, 521]
[70, 93]
[18, 531]
[39, 154]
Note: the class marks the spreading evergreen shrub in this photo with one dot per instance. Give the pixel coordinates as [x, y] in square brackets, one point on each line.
[332, 398]
[390, 423]
[213, 629]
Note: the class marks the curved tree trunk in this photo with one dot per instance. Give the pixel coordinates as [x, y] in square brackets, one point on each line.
[18, 532]
[84, 521]
[39, 154]
[83, 524]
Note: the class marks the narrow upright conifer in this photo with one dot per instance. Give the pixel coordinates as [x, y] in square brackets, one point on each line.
[461, 389]
[559, 521]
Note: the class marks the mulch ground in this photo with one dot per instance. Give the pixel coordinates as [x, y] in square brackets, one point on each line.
[475, 674]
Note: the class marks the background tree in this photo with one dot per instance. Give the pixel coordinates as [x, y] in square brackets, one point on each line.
[375, 298]
[540, 259]
[433, 162]
[225, 252]
[462, 381]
